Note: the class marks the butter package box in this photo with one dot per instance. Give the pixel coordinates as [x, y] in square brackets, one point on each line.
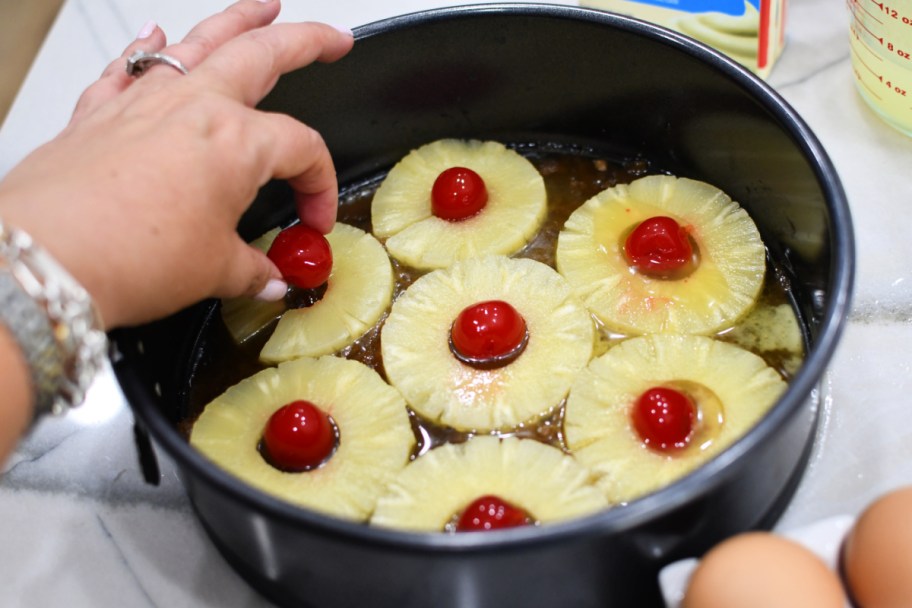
[749, 31]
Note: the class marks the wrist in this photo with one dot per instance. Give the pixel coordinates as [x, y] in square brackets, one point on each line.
[17, 392]
[52, 319]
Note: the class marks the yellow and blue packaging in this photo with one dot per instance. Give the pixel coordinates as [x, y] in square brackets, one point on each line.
[752, 32]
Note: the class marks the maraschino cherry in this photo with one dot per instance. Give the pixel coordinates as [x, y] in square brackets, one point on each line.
[491, 513]
[664, 418]
[458, 193]
[488, 334]
[303, 256]
[299, 436]
[659, 247]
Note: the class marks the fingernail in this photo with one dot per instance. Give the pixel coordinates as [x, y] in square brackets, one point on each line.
[264, 1]
[343, 29]
[146, 30]
[273, 292]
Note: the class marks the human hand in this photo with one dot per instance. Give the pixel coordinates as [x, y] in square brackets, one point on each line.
[140, 196]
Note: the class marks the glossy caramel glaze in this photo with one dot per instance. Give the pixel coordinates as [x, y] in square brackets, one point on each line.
[571, 177]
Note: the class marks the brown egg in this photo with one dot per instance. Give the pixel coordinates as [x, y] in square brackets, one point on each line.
[763, 570]
[877, 556]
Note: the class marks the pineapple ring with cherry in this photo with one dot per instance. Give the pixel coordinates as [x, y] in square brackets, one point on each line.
[732, 389]
[375, 439]
[429, 493]
[402, 208]
[358, 292]
[721, 286]
[442, 388]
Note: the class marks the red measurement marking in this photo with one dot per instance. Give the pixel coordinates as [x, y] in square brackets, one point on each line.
[865, 44]
[864, 84]
[873, 35]
[861, 61]
[894, 50]
[872, 15]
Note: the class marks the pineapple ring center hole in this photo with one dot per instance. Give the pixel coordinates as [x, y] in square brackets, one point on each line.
[660, 248]
[709, 419]
[494, 361]
[298, 297]
[271, 461]
[458, 193]
[489, 512]
[488, 335]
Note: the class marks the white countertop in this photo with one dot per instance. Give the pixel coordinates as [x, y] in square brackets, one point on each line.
[81, 528]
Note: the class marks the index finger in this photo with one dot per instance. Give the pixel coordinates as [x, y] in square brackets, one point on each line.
[247, 67]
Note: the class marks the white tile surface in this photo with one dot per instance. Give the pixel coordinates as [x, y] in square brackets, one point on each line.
[864, 445]
[80, 527]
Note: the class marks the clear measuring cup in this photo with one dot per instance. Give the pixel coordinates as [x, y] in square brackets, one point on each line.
[881, 49]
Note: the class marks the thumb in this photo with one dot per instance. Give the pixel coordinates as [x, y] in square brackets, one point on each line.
[251, 273]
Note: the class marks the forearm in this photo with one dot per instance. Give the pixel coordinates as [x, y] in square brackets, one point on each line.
[16, 388]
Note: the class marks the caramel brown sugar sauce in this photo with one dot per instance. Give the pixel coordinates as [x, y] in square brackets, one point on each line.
[570, 178]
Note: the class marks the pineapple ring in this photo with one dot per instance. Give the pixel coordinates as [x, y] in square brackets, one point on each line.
[417, 358]
[401, 209]
[722, 288]
[546, 483]
[597, 425]
[359, 291]
[375, 436]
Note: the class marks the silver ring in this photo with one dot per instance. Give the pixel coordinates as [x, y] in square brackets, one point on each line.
[140, 61]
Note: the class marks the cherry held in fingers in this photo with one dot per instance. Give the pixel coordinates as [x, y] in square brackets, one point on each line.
[458, 193]
[491, 513]
[302, 255]
[664, 418]
[488, 334]
[298, 437]
[659, 247]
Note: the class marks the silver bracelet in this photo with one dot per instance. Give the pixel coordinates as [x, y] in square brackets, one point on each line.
[54, 321]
